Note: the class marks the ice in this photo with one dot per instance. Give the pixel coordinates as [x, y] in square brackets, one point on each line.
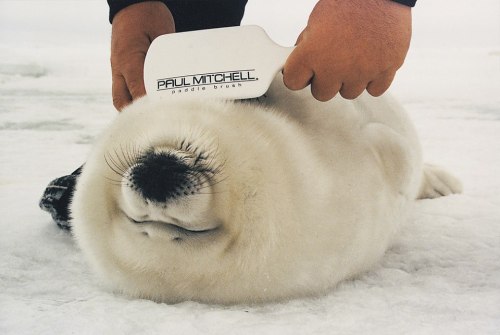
[26, 70]
[442, 275]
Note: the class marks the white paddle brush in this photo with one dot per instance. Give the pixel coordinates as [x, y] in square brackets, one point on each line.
[227, 63]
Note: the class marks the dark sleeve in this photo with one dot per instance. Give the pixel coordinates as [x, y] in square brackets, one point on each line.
[409, 3]
[206, 14]
[117, 5]
[194, 14]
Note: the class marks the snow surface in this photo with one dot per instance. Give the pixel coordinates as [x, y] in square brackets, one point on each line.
[441, 277]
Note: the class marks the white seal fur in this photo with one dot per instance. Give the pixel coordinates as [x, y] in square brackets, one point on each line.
[301, 195]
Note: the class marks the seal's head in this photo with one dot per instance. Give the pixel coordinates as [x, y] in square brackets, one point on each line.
[189, 201]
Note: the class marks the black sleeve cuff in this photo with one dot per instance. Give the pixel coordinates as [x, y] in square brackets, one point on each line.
[194, 14]
[409, 3]
[117, 5]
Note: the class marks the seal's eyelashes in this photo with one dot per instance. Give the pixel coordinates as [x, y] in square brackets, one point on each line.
[200, 158]
[201, 161]
[185, 145]
[162, 172]
[122, 159]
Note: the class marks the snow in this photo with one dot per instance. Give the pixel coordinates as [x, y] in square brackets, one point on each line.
[442, 276]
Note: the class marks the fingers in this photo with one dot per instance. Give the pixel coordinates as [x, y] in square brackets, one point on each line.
[296, 74]
[378, 86]
[134, 76]
[352, 89]
[133, 29]
[121, 95]
[129, 84]
[324, 87]
[300, 71]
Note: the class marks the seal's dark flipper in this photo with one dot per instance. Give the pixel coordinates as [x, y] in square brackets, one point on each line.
[57, 197]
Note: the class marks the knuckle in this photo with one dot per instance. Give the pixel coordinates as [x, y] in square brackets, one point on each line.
[378, 87]
[322, 96]
[350, 95]
[347, 96]
[292, 85]
[375, 92]
[351, 91]
[292, 82]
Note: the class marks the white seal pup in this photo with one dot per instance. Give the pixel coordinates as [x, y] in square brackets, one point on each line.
[248, 202]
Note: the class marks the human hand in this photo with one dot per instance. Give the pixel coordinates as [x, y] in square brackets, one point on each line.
[348, 46]
[133, 30]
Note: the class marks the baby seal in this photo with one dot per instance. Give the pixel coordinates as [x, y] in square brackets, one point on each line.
[248, 202]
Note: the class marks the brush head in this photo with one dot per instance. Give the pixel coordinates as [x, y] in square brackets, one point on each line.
[226, 63]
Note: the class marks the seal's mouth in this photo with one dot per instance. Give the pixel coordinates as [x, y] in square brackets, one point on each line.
[174, 227]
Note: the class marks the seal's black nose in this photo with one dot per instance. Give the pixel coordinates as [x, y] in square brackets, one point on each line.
[160, 176]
